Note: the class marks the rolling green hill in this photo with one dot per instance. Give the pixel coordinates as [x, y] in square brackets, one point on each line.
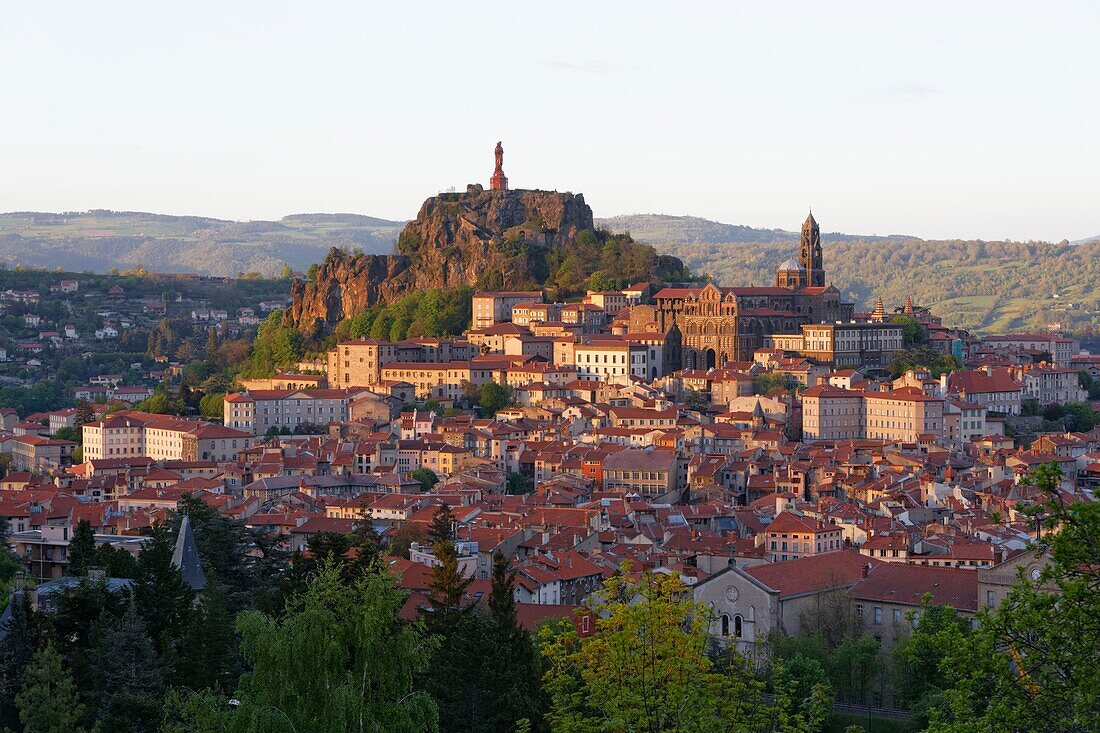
[100, 240]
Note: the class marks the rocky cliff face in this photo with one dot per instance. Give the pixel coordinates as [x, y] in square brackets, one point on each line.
[484, 239]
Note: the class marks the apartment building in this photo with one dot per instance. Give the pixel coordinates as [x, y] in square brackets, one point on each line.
[791, 536]
[490, 309]
[1049, 385]
[162, 437]
[258, 411]
[855, 344]
[603, 358]
[1060, 348]
[902, 415]
[832, 413]
[995, 389]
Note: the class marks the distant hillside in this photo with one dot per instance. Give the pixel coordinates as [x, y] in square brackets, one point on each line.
[99, 240]
[986, 286]
[665, 229]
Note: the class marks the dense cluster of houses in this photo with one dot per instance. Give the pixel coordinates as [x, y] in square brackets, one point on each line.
[770, 486]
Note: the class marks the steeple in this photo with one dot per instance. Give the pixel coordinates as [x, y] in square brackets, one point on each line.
[809, 252]
[185, 556]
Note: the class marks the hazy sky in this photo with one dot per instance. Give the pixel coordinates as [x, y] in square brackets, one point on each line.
[968, 119]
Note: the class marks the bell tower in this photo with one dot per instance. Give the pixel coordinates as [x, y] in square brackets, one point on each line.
[809, 252]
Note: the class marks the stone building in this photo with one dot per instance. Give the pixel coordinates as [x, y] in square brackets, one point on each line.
[721, 325]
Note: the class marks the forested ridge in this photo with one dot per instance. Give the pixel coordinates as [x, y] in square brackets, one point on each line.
[986, 286]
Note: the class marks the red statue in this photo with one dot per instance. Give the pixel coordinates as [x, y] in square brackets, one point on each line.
[499, 182]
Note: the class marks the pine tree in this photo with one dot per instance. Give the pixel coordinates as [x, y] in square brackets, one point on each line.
[84, 412]
[82, 550]
[49, 702]
[443, 525]
[502, 598]
[447, 586]
[129, 686]
[20, 637]
[163, 599]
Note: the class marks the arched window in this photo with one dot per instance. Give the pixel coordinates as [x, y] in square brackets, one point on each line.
[738, 624]
[725, 624]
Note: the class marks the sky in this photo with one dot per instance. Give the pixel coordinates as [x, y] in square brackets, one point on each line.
[935, 119]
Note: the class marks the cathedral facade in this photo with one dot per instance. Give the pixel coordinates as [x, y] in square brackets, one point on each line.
[722, 325]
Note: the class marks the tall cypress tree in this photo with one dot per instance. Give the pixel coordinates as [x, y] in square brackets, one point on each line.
[447, 586]
[129, 686]
[81, 551]
[163, 599]
[18, 640]
[443, 525]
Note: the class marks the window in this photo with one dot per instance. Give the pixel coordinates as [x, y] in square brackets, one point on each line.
[878, 615]
[738, 625]
[897, 617]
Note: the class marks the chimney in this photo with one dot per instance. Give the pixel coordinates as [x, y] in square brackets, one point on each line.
[865, 570]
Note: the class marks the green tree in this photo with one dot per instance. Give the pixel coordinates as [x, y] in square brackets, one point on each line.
[84, 412]
[855, 668]
[426, 477]
[49, 702]
[646, 667]
[912, 332]
[920, 656]
[211, 405]
[447, 585]
[129, 687]
[494, 397]
[163, 599]
[1033, 663]
[76, 435]
[519, 484]
[337, 659]
[443, 524]
[82, 549]
[17, 646]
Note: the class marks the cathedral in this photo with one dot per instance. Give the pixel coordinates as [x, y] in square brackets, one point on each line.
[722, 325]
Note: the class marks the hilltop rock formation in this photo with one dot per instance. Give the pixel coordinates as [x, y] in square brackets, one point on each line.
[498, 239]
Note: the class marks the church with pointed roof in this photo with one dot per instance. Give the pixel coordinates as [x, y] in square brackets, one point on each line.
[721, 325]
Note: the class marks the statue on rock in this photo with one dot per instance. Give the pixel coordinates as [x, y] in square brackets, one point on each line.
[499, 182]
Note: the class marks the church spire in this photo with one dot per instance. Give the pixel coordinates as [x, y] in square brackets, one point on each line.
[809, 252]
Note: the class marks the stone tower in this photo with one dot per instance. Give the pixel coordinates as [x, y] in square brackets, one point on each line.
[809, 253]
[499, 181]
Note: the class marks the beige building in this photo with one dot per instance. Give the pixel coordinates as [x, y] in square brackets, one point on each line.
[259, 411]
[162, 437]
[36, 453]
[902, 415]
[831, 413]
[749, 603]
[359, 362]
[603, 358]
[855, 344]
[645, 471]
[490, 309]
